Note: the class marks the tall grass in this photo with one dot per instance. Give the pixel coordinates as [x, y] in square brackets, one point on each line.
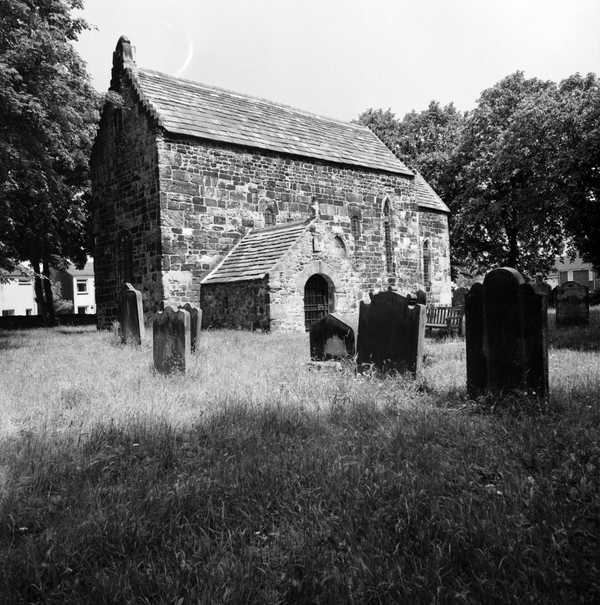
[255, 479]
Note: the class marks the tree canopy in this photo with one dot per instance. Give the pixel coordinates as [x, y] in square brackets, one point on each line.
[48, 112]
[520, 172]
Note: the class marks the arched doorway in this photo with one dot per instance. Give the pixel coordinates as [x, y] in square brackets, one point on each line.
[318, 299]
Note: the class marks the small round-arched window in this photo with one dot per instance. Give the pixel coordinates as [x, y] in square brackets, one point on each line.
[355, 226]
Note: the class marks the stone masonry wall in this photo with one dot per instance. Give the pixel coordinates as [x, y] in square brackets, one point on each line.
[237, 305]
[211, 194]
[125, 201]
[323, 251]
[434, 229]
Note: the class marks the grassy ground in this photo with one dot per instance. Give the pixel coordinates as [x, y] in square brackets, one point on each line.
[253, 479]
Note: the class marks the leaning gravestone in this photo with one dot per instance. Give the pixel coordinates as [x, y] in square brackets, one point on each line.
[458, 297]
[195, 324]
[391, 333]
[572, 304]
[331, 338]
[171, 340]
[131, 314]
[506, 336]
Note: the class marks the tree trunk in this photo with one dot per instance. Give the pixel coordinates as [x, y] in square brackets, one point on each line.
[48, 293]
[513, 249]
[39, 291]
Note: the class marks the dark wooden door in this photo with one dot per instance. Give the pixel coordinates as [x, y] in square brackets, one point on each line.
[316, 300]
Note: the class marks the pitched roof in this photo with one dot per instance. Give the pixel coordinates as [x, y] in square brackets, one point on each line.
[86, 271]
[257, 253]
[190, 108]
[426, 196]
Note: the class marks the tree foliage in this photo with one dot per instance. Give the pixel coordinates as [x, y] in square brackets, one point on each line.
[520, 172]
[48, 111]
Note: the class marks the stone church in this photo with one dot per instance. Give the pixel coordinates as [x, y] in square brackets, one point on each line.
[265, 215]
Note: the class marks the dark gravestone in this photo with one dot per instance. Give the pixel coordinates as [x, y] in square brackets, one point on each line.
[131, 315]
[391, 333]
[506, 331]
[171, 340]
[421, 297]
[572, 304]
[458, 297]
[331, 338]
[195, 324]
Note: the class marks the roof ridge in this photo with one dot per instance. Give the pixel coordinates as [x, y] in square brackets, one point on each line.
[229, 91]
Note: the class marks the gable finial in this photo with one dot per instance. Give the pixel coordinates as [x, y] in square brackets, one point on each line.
[123, 57]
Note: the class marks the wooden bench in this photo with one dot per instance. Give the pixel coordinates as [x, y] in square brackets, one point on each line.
[446, 318]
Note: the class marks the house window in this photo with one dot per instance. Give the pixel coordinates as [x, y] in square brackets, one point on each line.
[427, 266]
[81, 310]
[387, 234]
[82, 286]
[355, 226]
[269, 217]
[7, 312]
[563, 276]
[28, 311]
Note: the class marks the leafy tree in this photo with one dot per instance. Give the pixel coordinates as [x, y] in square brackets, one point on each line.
[47, 114]
[576, 123]
[508, 207]
[424, 141]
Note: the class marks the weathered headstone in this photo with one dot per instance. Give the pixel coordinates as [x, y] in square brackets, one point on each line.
[391, 333]
[572, 304]
[458, 297]
[331, 338]
[171, 340]
[506, 334]
[131, 315]
[195, 324]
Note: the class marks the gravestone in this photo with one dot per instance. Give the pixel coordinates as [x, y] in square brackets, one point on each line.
[331, 338]
[458, 297]
[391, 333]
[572, 304]
[131, 315]
[171, 340]
[195, 324]
[506, 336]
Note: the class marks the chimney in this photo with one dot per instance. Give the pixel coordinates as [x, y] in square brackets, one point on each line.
[122, 59]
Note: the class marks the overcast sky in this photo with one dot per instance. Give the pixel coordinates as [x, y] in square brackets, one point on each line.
[340, 57]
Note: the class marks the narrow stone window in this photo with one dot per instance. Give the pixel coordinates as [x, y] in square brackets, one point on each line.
[269, 217]
[355, 226]
[387, 234]
[427, 266]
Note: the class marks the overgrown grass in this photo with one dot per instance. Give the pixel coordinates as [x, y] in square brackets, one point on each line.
[253, 479]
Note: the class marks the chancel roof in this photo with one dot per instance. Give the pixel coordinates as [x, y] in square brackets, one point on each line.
[189, 108]
[426, 196]
[257, 253]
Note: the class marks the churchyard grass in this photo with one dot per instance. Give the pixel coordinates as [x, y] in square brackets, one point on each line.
[253, 479]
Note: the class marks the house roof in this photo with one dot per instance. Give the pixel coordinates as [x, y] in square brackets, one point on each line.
[193, 109]
[257, 253]
[426, 196]
[87, 271]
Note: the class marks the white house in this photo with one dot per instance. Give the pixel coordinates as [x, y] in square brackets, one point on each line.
[77, 286]
[17, 296]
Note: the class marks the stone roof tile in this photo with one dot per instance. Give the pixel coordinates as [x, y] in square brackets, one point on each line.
[256, 253]
[193, 109]
[426, 196]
